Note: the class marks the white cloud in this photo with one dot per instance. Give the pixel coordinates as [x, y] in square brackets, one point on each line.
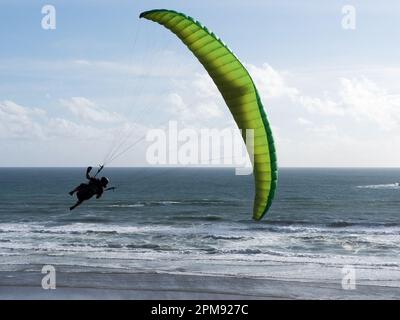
[303, 121]
[204, 87]
[177, 104]
[199, 112]
[323, 129]
[209, 110]
[88, 111]
[28, 123]
[46, 138]
[270, 82]
[323, 106]
[320, 129]
[365, 100]
[350, 118]
[359, 99]
[20, 112]
[19, 122]
[197, 102]
[353, 117]
[63, 128]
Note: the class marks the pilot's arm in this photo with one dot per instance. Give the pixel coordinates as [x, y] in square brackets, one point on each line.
[87, 173]
[99, 194]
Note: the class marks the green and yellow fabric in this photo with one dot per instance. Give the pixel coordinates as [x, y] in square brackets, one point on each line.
[239, 92]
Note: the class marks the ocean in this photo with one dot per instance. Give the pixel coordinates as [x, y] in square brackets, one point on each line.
[197, 221]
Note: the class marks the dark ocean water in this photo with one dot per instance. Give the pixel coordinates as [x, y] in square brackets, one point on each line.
[199, 221]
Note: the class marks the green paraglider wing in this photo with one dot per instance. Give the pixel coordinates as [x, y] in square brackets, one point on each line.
[239, 93]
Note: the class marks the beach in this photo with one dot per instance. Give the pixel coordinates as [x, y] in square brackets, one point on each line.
[103, 285]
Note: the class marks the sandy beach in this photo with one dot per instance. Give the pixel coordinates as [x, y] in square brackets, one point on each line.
[105, 285]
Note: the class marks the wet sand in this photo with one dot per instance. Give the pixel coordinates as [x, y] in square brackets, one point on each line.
[141, 286]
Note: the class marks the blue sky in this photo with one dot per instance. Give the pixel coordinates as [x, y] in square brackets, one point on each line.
[331, 94]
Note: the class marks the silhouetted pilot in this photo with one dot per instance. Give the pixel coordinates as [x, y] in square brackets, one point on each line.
[87, 190]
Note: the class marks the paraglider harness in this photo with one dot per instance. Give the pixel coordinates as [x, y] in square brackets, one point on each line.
[101, 167]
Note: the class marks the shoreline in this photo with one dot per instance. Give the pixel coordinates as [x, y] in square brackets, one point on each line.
[164, 286]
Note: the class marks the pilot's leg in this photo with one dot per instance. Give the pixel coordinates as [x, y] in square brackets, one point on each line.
[71, 193]
[75, 205]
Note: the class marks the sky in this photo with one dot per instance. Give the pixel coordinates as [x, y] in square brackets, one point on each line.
[95, 85]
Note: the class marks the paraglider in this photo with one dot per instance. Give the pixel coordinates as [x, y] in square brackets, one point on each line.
[239, 92]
